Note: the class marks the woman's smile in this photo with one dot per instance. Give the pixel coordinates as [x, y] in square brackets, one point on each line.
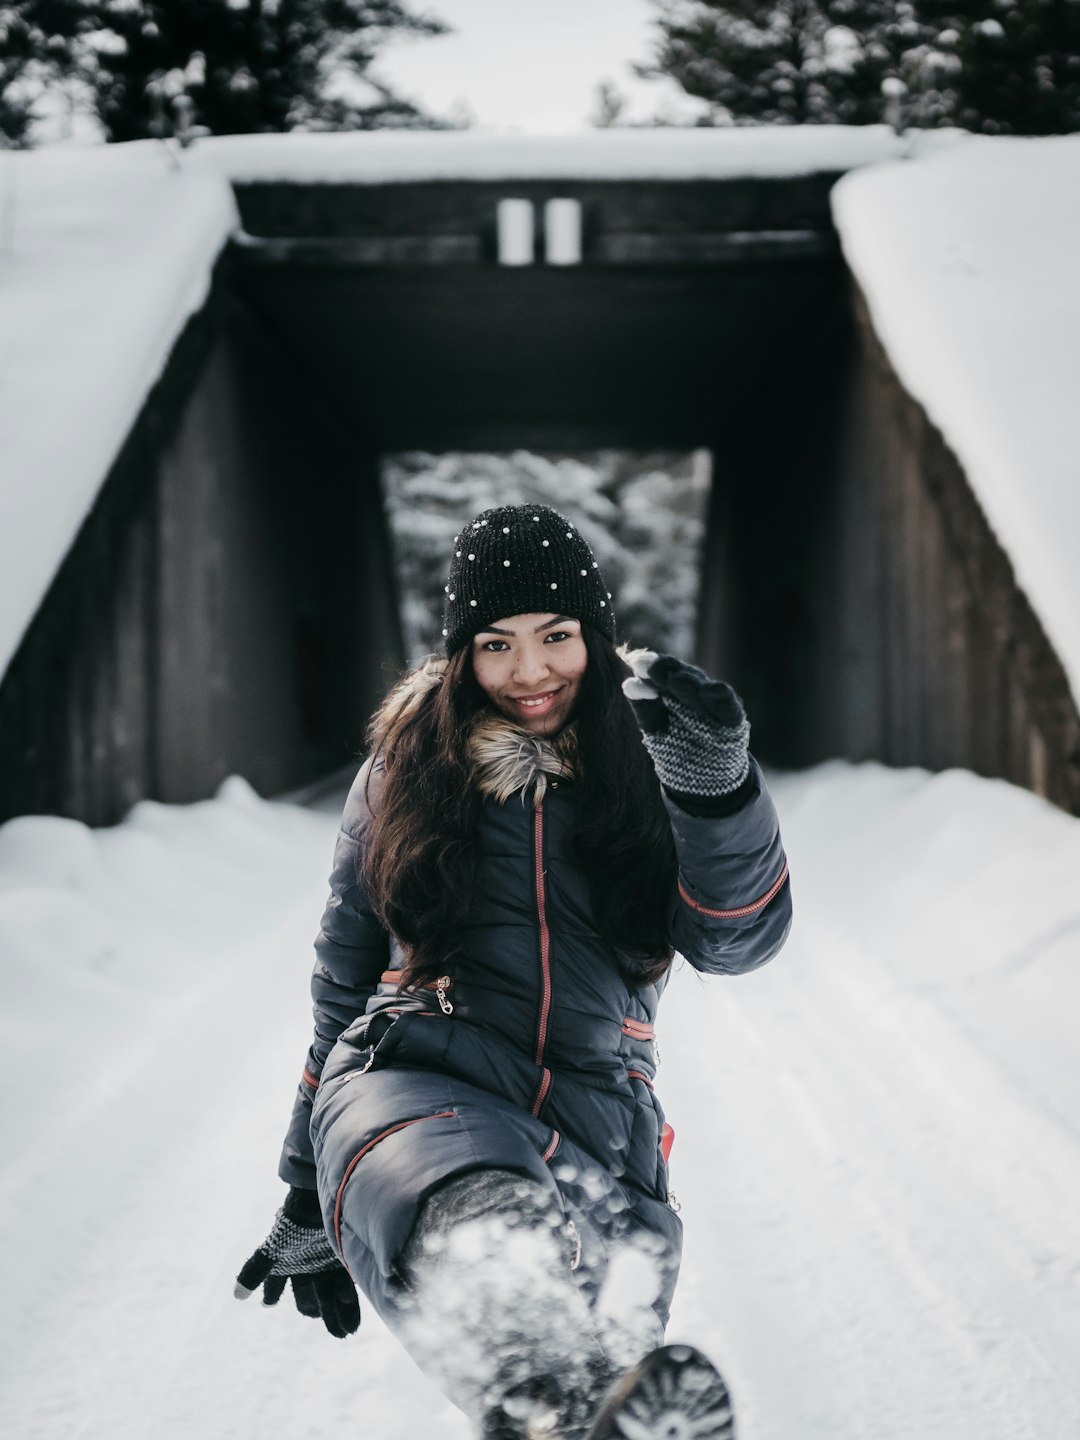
[530, 668]
[534, 702]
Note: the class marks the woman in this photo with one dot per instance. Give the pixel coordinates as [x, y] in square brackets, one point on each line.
[476, 1140]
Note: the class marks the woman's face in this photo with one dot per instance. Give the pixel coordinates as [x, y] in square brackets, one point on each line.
[530, 668]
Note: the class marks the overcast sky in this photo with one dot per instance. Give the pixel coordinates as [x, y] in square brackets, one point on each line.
[530, 65]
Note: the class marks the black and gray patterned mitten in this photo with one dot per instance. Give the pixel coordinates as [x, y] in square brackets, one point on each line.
[694, 728]
[297, 1250]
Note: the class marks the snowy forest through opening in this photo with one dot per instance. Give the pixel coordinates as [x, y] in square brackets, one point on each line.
[643, 514]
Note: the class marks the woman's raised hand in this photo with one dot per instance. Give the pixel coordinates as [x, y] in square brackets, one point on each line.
[694, 728]
[297, 1249]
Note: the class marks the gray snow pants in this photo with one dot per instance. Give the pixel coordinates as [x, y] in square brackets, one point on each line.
[492, 1312]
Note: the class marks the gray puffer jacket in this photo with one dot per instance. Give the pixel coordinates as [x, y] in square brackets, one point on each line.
[535, 1055]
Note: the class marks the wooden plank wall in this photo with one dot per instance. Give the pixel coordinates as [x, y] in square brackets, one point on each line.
[227, 606]
[930, 654]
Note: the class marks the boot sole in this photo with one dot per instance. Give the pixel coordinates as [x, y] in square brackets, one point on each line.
[675, 1393]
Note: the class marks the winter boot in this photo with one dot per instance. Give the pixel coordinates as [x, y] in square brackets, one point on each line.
[543, 1407]
[526, 1411]
[675, 1393]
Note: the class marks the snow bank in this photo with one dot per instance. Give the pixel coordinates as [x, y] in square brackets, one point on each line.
[879, 1171]
[104, 254]
[661, 154]
[106, 932]
[968, 262]
[877, 1153]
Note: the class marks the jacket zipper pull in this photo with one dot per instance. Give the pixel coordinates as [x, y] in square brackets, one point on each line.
[442, 984]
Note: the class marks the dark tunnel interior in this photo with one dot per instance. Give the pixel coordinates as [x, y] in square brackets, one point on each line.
[741, 354]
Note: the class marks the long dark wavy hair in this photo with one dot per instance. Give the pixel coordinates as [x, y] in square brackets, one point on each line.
[421, 864]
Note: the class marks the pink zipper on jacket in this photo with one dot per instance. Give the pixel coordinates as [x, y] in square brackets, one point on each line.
[377, 1140]
[545, 958]
[743, 910]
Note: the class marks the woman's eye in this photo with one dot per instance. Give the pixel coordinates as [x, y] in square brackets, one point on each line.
[557, 635]
[493, 647]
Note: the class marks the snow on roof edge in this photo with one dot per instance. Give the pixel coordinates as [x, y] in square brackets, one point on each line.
[967, 265]
[112, 250]
[114, 245]
[112, 253]
[704, 153]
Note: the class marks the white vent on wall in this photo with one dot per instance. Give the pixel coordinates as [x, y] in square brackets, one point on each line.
[562, 232]
[516, 229]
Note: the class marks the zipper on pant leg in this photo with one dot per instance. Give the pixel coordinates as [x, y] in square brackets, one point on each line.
[376, 1140]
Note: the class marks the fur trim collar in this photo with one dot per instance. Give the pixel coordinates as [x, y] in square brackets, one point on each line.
[505, 758]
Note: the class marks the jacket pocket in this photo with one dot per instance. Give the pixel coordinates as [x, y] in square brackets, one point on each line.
[366, 1150]
[650, 1139]
[383, 1036]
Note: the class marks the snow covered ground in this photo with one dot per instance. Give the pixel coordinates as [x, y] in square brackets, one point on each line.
[878, 1150]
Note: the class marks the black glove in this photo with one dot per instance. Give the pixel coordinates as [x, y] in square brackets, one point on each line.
[694, 728]
[297, 1249]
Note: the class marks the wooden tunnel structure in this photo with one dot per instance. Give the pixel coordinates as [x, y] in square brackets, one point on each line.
[229, 605]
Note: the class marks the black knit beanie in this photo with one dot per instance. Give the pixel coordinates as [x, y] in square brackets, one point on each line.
[522, 560]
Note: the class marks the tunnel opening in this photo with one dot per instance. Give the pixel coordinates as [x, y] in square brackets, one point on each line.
[695, 317]
[232, 605]
[232, 590]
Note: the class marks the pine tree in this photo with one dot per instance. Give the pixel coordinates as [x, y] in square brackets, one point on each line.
[1017, 63]
[38, 48]
[997, 66]
[786, 61]
[250, 65]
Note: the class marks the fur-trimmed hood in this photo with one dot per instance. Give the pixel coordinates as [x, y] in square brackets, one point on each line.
[506, 759]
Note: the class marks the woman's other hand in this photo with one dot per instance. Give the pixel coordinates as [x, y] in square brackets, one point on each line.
[695, 729]
[297, 1250]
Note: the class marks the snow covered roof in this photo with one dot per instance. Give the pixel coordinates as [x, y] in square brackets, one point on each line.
[661, 154]
[104, 254]
[967, 260]
[970, 264]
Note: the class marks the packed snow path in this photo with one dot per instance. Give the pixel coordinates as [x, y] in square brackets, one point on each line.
[877, 1148]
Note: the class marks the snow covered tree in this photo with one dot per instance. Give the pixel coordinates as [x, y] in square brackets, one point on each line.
[250, 65]
[786, 61]
[38, 48]
[643, 515]
[1015, 63]
[998, 66]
